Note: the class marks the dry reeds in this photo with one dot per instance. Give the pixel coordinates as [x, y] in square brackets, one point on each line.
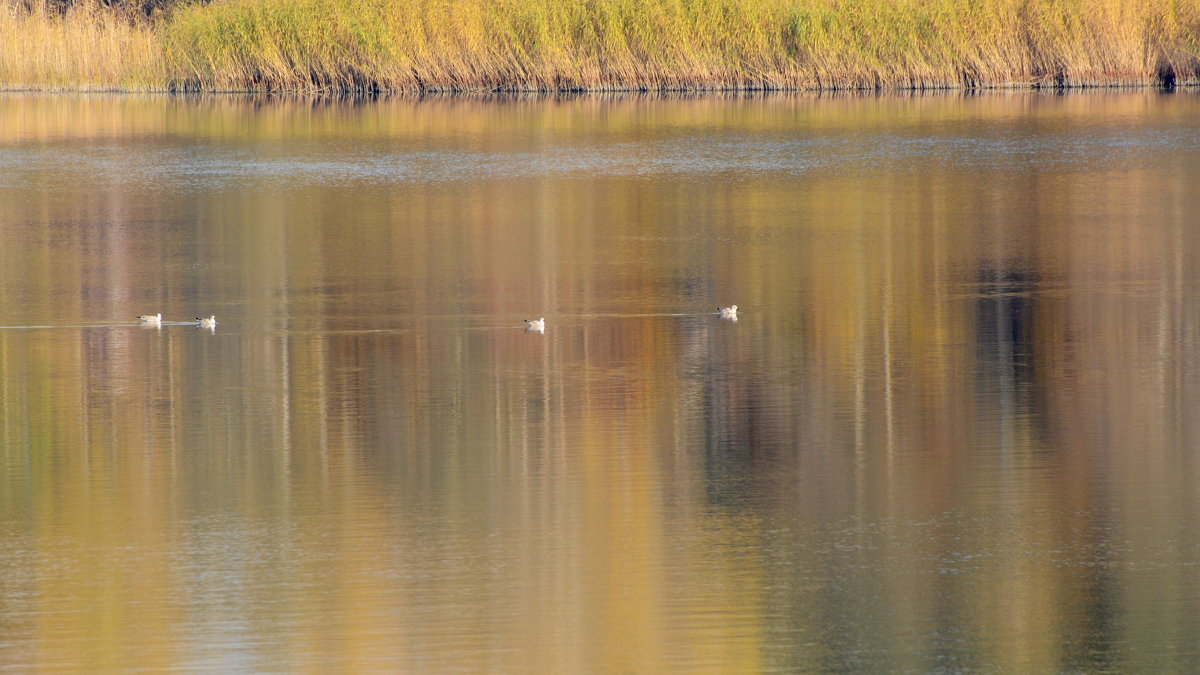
[87, 47]
[455, 45]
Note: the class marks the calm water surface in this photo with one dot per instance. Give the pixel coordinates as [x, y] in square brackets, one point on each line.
[955, 428]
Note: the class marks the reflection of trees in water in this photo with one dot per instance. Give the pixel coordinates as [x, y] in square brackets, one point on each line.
[730, 415]
[735, 417]
[1004, 314]
[1006, 347]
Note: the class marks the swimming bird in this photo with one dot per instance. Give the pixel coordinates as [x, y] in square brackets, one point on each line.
[536, 325]
[151, 319]
[210, 322]
[729, 312]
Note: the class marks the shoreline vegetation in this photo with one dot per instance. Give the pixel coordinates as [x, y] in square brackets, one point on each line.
[398, 46]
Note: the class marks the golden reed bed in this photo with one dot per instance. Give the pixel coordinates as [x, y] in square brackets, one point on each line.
[562, 45]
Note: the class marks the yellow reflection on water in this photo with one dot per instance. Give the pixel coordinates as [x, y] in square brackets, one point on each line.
[950, 429]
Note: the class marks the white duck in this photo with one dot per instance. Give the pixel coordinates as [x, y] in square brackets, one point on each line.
[729, 312]
[536, 325]
[151, 319]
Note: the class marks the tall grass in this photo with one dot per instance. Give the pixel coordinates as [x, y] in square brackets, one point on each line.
[408, 45]
[88, 47]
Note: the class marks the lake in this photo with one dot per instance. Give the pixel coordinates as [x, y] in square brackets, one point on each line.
[954, 428]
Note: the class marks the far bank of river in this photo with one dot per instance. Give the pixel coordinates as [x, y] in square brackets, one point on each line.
[343, 46]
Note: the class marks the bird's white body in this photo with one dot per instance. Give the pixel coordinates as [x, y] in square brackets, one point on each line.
[210, 322]
[536, 325]
[729, 312]
[151, 319]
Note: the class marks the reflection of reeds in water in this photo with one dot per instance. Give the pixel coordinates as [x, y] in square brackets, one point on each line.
[344, 45]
